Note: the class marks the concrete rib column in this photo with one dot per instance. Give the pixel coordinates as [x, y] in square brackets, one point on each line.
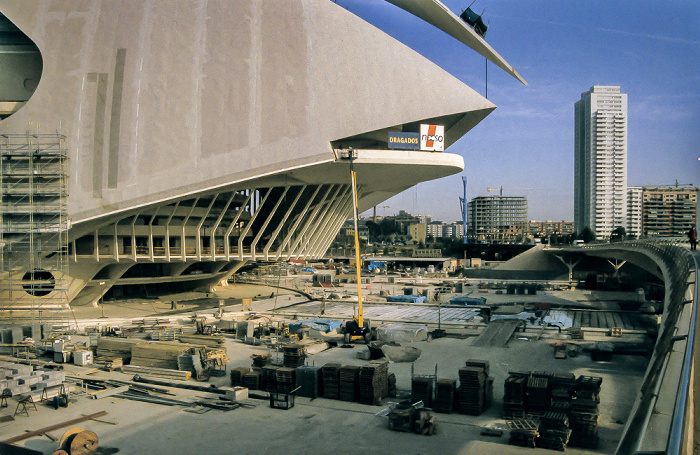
[318, 227]
[183, 238]
[308, 223]
[249, 225]
[241, 209]
[342, 213]
[265, 224]
[301, 215]
[274, 235]
[216, 226]
[198, 232]
[167, 231]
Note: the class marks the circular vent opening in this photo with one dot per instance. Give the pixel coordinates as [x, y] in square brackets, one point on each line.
[38, 283]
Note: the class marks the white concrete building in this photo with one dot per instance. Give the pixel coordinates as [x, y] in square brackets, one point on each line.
[196, 136]
[634, 211]
[600, 166]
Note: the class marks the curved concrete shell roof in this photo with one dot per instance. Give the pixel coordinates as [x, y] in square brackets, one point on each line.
[438, 15]
[158, 97]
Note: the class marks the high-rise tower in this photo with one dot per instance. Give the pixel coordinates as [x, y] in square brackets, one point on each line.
[600, 167]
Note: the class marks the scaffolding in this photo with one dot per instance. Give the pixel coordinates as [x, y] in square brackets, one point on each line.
[33, 229]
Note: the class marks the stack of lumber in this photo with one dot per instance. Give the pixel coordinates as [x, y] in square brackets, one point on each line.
[163, 373]
[584, 412]
[210, 341]
[111, 347]
[159, 354]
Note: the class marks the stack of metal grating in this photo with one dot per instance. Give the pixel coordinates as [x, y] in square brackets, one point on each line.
[268, 378]
[584, 412]
[514, 396]
[523, 432]
[445, 395]
[309, 380]
[554, 431]
[422, 390]
[348, 382]
[294, 356]
[330, 372]
[473, 387]
[374, 382]
[286, 380]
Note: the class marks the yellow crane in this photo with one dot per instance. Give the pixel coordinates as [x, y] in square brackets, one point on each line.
[358, 328]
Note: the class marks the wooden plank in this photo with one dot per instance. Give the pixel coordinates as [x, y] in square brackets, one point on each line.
[108, 392]
[54, 427]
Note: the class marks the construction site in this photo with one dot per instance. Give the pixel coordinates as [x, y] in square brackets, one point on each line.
[451, 365]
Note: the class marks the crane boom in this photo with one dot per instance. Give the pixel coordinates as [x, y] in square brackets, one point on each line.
[358, 263]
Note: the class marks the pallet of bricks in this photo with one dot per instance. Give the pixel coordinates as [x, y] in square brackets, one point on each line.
[374, 382]
[445, 395]
[514, 396]
[475, 387]
[554, 431]
[348, 383]
[331, 374]
[422, 390]
[293, 355]
[584, 412]
[268, 378]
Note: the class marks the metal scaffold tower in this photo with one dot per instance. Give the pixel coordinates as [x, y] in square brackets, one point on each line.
[33, 229]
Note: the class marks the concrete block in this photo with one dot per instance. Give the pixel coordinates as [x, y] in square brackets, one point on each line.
[50, 375]
[49, 383]
[17, 390]
[36, 332]
[244, 329]
[6, 336]
[17, 335]
[29, 380]
[237, 393]
[11, 383]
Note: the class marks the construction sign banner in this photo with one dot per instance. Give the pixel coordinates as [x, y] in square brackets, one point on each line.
[405, 141]
[432, 138]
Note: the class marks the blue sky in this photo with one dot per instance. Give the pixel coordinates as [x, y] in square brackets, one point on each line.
[562, 48]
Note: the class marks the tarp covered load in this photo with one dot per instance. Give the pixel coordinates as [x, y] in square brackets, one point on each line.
[468, 300]
[322, 325]
[376, 265]
[402, 333]
[407, 299]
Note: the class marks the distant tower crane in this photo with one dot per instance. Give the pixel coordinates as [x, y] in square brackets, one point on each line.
[489, 189]
[463, 205]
